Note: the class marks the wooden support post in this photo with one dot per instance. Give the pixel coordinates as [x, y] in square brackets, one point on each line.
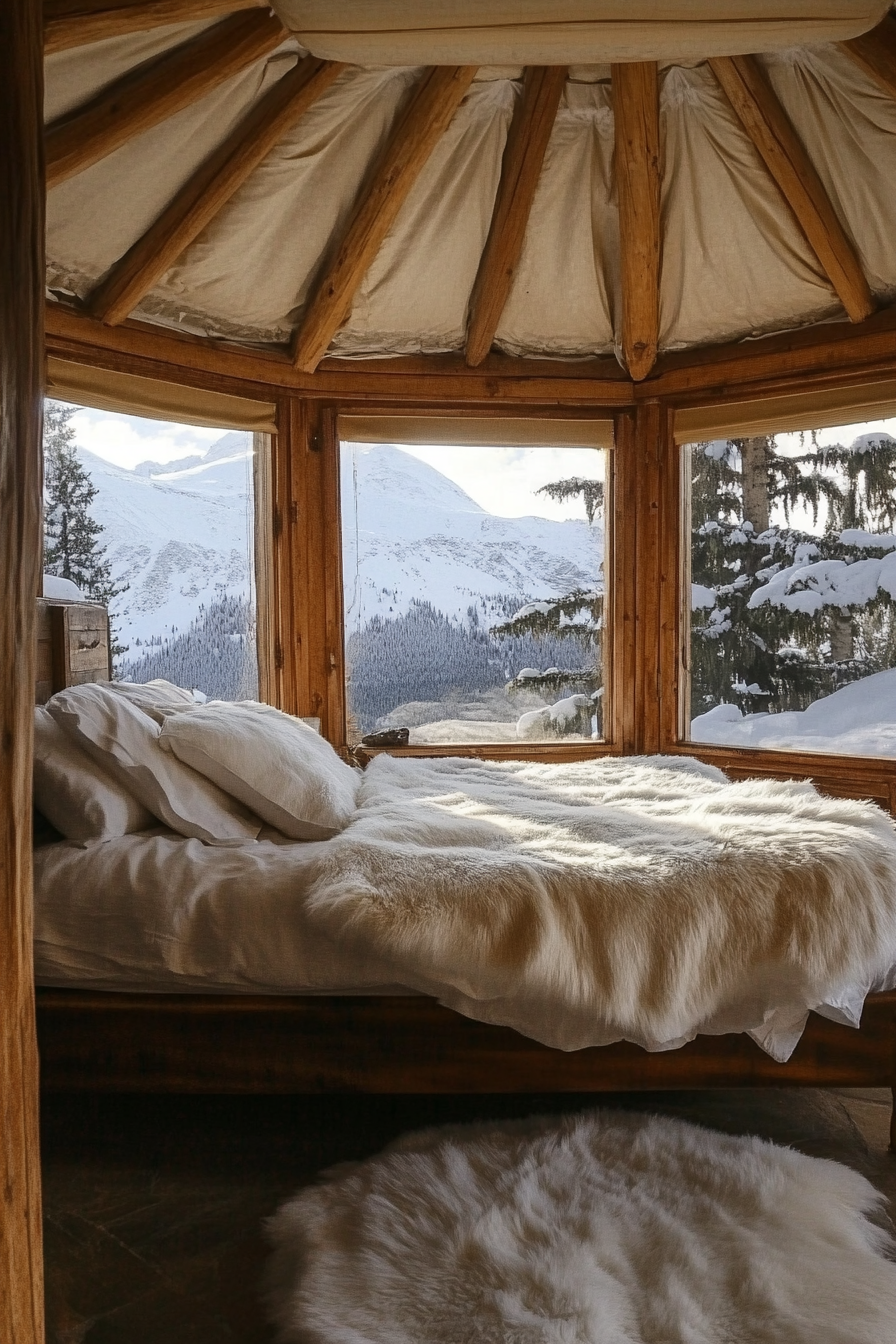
[766, 123]
[876, 53]
[416, 134]
[639, 175]
[22, 266]
[209, 190]
[76, 23]
[527, 141]
[150, 94]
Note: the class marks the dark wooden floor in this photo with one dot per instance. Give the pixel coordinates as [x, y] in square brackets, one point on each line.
[154, 1204]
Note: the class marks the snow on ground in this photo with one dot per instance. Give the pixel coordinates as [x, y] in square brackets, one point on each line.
[858, 720]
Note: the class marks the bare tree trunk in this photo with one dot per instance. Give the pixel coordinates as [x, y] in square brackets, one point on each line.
[754, 457]
[21, 376]
[843, 645]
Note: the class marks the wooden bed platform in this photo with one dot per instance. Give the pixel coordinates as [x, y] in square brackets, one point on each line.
[246, 1044]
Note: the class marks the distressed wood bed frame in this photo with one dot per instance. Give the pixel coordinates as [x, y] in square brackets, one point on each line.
[261, 1044]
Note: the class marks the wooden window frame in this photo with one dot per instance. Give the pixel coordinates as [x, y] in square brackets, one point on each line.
[646, 583]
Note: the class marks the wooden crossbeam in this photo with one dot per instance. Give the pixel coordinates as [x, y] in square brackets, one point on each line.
[197, 203]
[876, 53]
[638, 174]
[413, 139]
[146, 96]
[527, 141]
[75, 23]
[766, 123]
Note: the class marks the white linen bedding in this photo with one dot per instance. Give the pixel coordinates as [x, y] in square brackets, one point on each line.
[157, 912]
[641, 899]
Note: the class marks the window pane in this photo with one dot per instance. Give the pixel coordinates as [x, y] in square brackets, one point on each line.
[473, 592]
[156, 520]
[793, 568]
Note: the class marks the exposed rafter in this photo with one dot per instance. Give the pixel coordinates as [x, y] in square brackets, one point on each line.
[146, 96]
[876, 53]
[413, 139]
[766, 123]
[527, 140]
[197, 203]
[638, 173]
[75, 23]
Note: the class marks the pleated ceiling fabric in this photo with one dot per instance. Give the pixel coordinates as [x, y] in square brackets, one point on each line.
[560, 32]
[734, 263]
[107, 390]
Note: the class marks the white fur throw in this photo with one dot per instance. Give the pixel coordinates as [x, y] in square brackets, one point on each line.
[595, 1229]
[644, 898]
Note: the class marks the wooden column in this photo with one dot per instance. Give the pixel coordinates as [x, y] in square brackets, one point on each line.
[21, 377]
[309, 673]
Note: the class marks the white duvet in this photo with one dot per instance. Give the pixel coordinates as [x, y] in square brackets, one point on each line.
[642, 899]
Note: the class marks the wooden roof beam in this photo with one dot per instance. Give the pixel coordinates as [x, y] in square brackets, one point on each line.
[151, 93]
[527, 141]
[766, 123]
[209, 190]
[75, 23]
[876, 53]
[639, 175]
[415, 135]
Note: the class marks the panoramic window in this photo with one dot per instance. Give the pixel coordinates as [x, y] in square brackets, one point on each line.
[474, 591]
[793, 569]
[155, 521]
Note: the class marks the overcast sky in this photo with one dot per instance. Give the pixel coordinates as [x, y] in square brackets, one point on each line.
[501, 480]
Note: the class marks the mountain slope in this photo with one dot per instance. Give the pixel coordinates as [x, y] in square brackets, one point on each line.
[409, 532]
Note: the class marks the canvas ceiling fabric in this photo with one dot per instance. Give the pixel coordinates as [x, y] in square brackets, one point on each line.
[778, 415]
[108, 390]
[559, 32]
[734, 265]
[476, 430]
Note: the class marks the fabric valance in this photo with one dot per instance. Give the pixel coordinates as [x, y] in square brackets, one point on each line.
[778, 415]
[565, 32]
[476, 431]
[107, 390]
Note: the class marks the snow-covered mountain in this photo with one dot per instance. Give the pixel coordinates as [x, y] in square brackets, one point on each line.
[177, 534]
[410, 532]
[180, 533]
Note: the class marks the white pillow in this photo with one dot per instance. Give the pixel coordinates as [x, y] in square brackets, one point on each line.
[156, 698]
[75, 795]
[125, 741]
[271, 761]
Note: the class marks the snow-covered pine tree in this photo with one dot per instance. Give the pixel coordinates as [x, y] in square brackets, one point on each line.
[576, 615]
[72, 548]
[782, 616]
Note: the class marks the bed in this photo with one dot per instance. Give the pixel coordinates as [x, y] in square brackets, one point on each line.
[138, 991]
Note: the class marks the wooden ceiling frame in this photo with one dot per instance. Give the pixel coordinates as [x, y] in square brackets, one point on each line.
[875, 52]
[211, 187]
[417, 131]
[153, 92]
[764, 120]
[527, 142]
[77, 23]
[636, 113]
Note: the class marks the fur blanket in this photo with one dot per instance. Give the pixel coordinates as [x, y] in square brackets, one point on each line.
[600, 1228]
[638, 898]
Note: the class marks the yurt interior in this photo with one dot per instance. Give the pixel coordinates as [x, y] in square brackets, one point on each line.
[448, 643]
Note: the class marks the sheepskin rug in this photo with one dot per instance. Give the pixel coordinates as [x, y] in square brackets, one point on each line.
[602, 1228]
[645, 898]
